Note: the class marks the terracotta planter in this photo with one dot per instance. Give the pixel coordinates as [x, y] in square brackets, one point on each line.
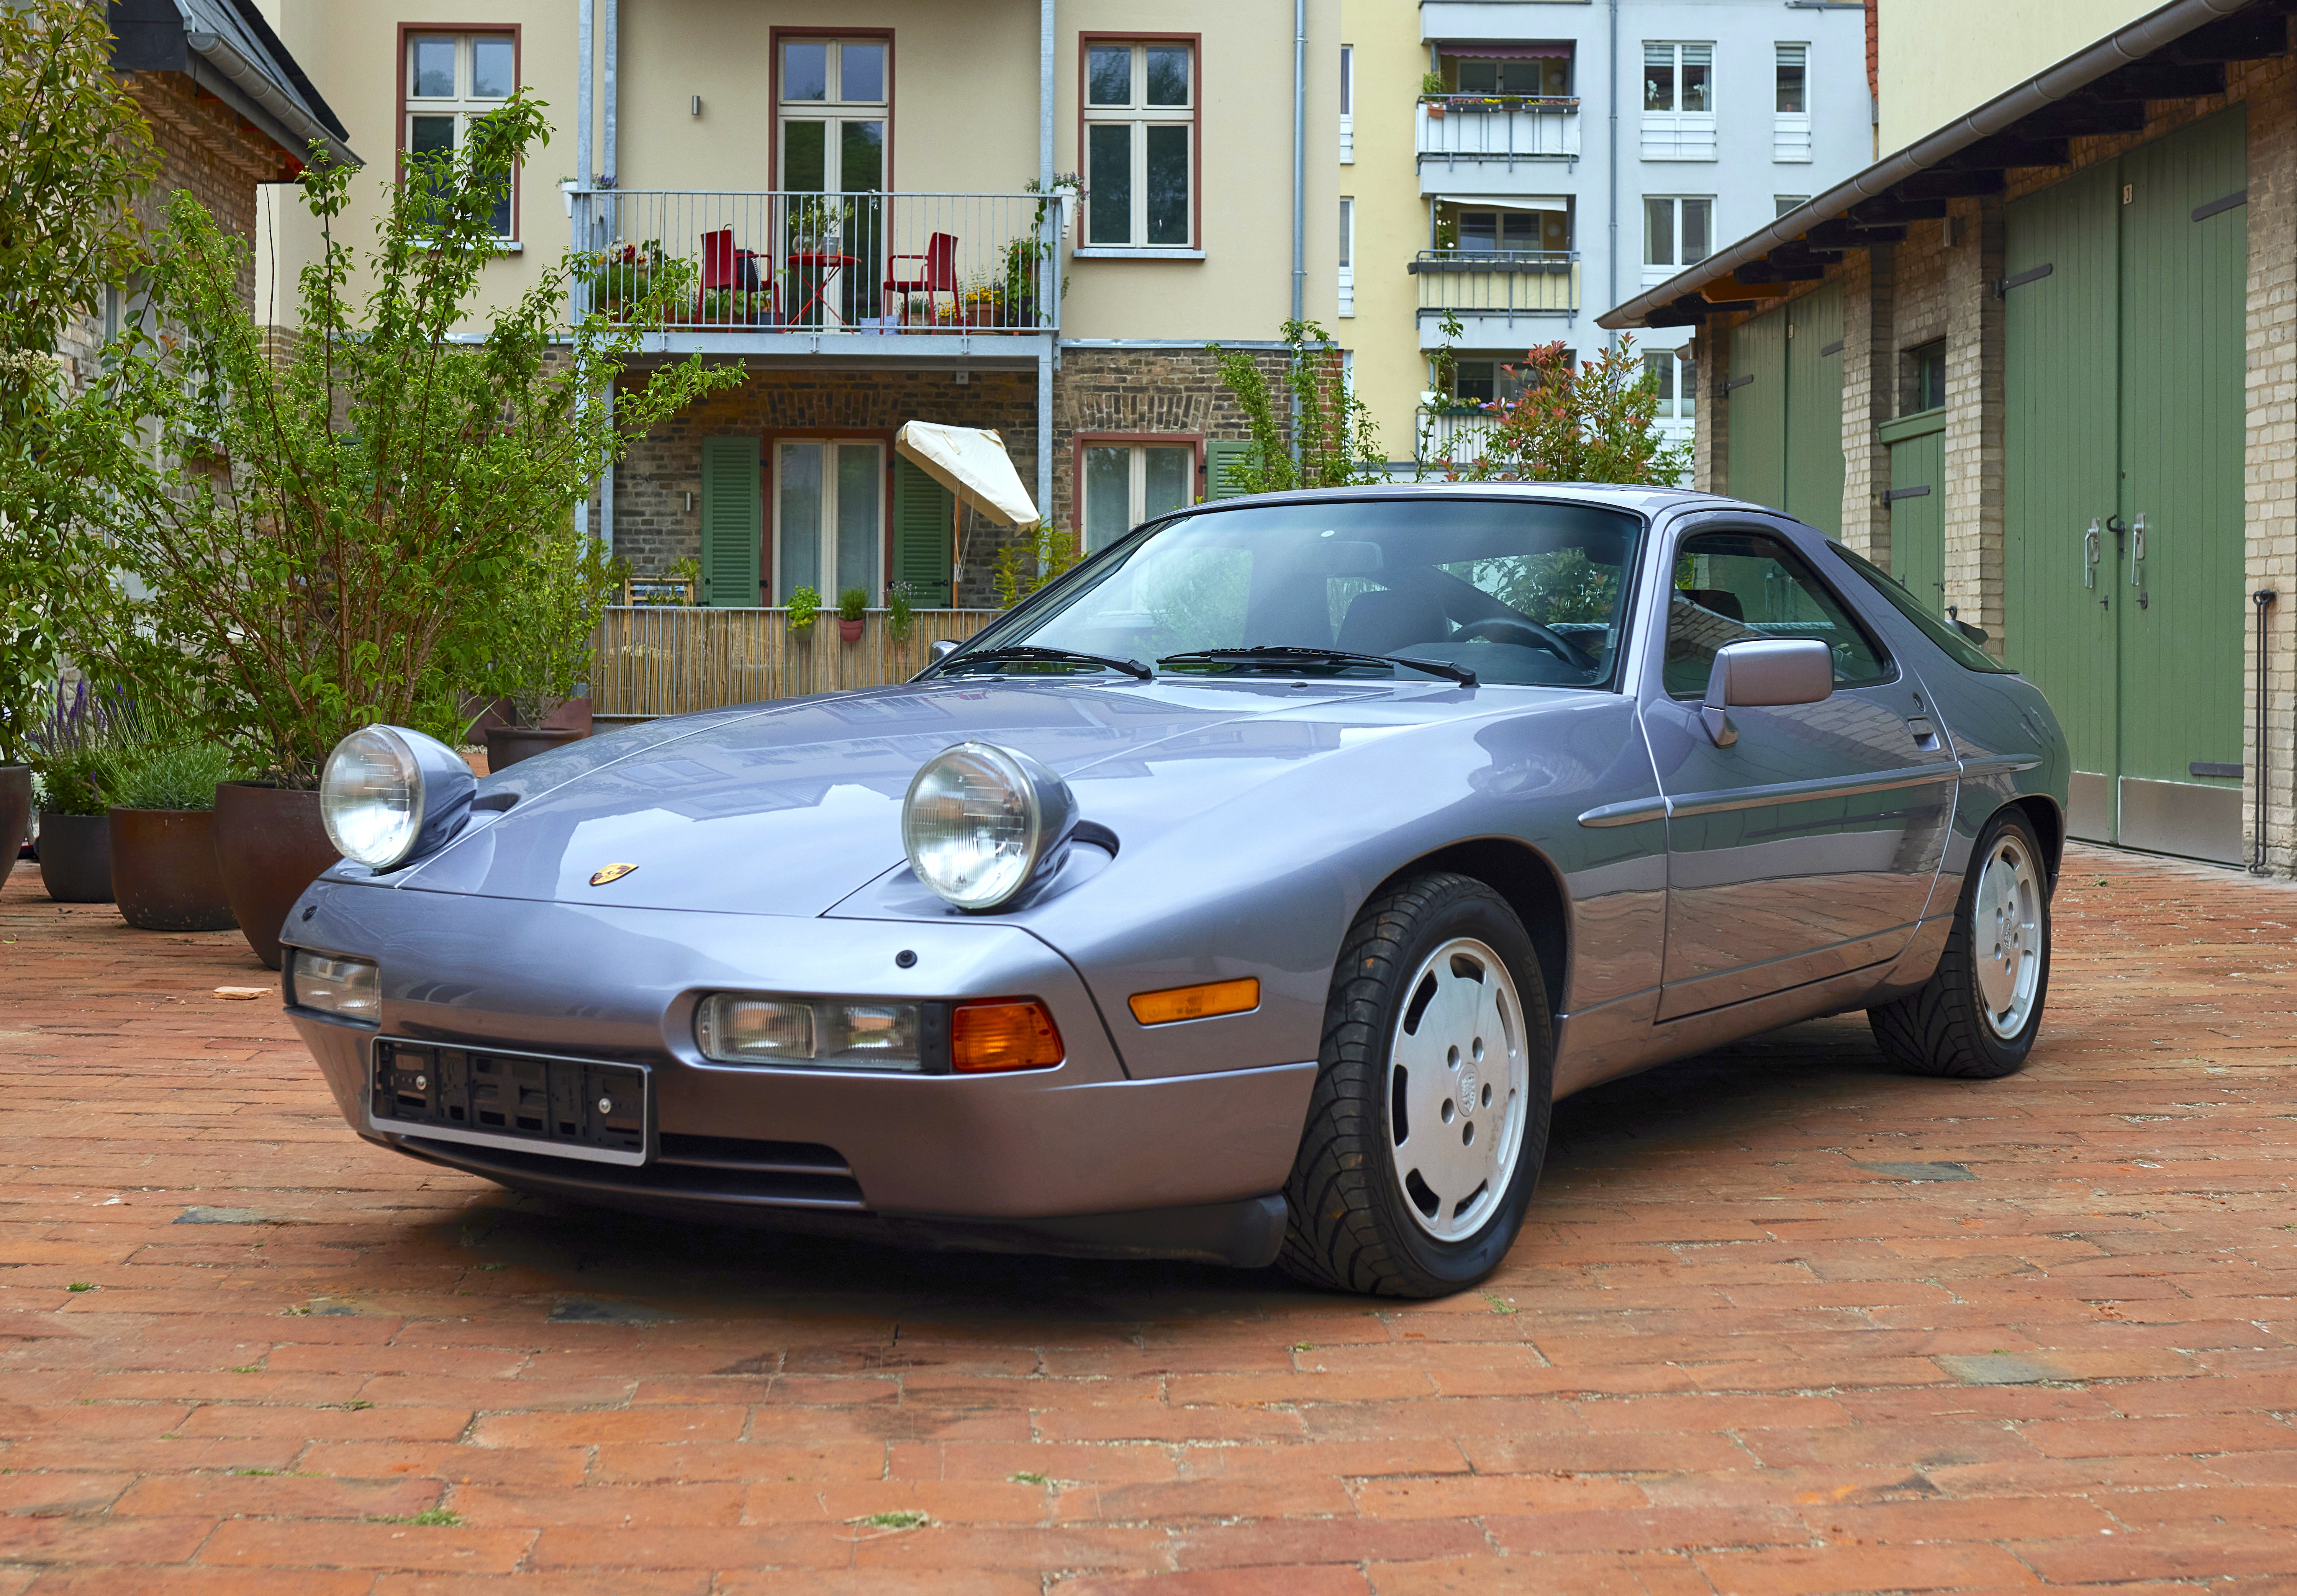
[269, 844]
[508, 745]
[15, 813]
[163, 870]
[485, 714]
[75, 858]
[849, 630]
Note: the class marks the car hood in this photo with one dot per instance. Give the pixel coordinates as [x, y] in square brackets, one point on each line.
[785, 809]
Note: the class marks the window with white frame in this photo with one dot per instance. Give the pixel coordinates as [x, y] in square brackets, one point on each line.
[1139, 143]
[1479, 379]
[1348, 104]
[1673, 371]
[829, 496]
[1786, 203]
[1128, 482]
[1678, 231]
[1678, 101]
[452, 80]
[1790, 132]
[1347, 256]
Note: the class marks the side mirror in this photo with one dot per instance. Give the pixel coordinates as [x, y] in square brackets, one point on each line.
[941, 648]
[1765, 673]
[1976, 634]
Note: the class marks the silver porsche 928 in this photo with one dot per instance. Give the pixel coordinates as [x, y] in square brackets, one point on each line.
[1249, 895]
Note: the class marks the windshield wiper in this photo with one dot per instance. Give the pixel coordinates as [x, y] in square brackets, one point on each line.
[1030, 651]
[1279, 652]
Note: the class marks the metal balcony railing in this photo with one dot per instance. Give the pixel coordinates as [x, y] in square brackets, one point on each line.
[850, 263]
[1503, 283]
[1454, 128]
[1454, 435]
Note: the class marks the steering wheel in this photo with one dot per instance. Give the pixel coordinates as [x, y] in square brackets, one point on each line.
[1524, 633]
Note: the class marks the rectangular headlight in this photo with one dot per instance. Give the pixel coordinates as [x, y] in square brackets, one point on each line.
[350, 988]
[734, 1029]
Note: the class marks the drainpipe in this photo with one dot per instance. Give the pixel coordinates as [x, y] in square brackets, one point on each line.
[1611, 166]
[582, 240]
[607, 179]
[1299, 190]
[1049, 353]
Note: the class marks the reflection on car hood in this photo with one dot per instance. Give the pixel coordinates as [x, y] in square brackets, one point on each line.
[788, 809]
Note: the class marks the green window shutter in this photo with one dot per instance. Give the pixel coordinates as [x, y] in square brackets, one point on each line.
[730, 522]
[923, 521]
[1224, 463]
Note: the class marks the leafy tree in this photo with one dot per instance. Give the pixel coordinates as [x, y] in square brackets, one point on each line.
[1591, 424]
[342, 535]
[1339, 446]
[74, 154]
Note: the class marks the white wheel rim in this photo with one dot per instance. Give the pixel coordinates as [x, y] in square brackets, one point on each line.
[1458, 1079]
[2006, 937]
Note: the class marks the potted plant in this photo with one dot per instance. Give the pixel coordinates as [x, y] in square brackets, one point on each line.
[900, 614]
[804, 605]
[1431, 84]
[853, 605]
[162, 823]
[558, 588]
[83, 731]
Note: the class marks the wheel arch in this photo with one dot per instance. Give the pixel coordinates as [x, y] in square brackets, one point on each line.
[2049, 824]
[1524, 877]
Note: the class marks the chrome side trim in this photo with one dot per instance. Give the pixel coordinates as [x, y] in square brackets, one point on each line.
[1826, 786]
[1632, 813]
[1999, 764]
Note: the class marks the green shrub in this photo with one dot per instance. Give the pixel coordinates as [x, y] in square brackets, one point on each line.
[170, 776]
[901, 616]
[852, 603]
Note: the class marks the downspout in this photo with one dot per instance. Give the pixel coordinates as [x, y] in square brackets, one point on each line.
[607, 180]
[582, 239]
[1299, 193]
[1050, 344]
[1611, 168]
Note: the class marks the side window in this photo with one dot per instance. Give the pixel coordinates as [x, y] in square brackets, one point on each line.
[1731, 586]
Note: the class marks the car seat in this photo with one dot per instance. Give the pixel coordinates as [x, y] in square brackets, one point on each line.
[1387, 618]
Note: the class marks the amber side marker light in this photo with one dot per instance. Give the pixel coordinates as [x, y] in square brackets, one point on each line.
[1197, 1002]
[1003, 1034]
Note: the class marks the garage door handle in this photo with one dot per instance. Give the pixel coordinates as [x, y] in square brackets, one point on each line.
[2089, 556]
[2138, 552]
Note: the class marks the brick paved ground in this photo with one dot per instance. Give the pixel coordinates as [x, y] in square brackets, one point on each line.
[244, 1352]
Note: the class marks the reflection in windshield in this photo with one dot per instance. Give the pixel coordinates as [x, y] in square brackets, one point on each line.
[1517, 591]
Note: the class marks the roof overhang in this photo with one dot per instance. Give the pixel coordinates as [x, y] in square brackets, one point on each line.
[2176, 52]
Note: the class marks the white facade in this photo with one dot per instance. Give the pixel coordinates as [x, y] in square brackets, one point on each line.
[1685, 133]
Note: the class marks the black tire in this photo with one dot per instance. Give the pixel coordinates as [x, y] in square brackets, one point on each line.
[1350, 1228]
[1944, 1028]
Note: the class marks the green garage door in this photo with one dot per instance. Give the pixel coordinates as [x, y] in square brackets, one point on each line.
[2124, 410]
[1917, 499]
[1786, 409]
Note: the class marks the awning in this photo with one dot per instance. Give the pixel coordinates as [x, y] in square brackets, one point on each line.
[1510, 203]
[1498, 49]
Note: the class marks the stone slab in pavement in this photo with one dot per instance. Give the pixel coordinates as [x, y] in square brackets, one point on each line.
[1784, 1321]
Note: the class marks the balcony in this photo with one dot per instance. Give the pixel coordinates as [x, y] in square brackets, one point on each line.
[1483, 131]
[891, 275]
[1456, 436]
[1491, 292]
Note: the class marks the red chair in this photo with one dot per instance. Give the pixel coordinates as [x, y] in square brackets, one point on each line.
[725, 266]
[938, 274]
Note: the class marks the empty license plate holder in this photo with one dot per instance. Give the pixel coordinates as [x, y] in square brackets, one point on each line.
[496, 1097]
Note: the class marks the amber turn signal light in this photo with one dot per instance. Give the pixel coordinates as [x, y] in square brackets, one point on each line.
[1197, 1002]
[1003, 1034]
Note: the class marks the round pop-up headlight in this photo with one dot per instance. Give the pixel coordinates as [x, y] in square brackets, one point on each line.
[390, 794]
[982, 824]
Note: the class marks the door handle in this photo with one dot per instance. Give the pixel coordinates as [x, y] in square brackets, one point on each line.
[2089, 555]
[2138, 552]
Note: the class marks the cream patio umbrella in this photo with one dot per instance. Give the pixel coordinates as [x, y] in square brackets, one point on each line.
[972, 464]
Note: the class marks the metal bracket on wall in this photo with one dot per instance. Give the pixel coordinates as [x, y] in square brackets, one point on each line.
[1895, 494]
[2003, 286]
[1831, 348]
[1723, 385]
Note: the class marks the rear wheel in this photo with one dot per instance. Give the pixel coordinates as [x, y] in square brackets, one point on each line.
[1428, 1128]
[1978, 1015]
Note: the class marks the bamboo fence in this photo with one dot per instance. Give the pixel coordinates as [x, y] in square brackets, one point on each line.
[649, 661]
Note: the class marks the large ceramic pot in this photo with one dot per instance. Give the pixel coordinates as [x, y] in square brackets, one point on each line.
[163, 870]
[508, 745]
[15, 813]
[75, 858]
[849, 630]
[270, 844]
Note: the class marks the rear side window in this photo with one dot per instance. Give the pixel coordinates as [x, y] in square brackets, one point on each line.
[1734, 587]
[1958, 648]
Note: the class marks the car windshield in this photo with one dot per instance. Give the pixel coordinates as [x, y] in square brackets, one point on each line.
[1514, 590]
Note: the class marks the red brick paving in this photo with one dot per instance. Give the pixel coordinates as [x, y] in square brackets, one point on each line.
[1725, 1358]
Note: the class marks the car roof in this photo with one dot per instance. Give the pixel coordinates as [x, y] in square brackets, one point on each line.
[1616, 495]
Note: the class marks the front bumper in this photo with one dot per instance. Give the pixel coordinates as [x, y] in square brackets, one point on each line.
[1019, 1154]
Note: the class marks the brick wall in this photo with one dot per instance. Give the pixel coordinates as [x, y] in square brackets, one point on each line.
[1869, 365]
[1153, 390]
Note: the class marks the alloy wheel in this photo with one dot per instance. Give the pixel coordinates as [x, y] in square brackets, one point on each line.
[1458, 1072]
[2006, 935]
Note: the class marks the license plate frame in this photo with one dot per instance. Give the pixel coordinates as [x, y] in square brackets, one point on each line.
[507, 1097]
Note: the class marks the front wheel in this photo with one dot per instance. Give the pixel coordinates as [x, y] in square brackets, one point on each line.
[1977, 1017]
[1428, 1127]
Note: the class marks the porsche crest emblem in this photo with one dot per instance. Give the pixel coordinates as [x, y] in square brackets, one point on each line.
[611, 873]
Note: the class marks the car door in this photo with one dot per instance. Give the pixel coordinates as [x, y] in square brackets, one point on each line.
[1806, 846]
